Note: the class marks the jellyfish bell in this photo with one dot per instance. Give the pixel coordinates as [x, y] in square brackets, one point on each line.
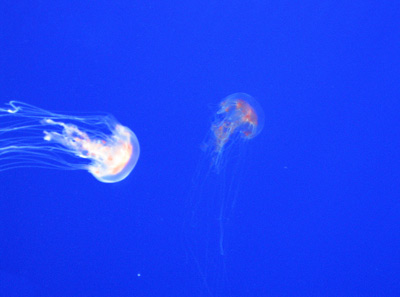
[34, 137]
[115, 163]
[244, 112]
[238, 119]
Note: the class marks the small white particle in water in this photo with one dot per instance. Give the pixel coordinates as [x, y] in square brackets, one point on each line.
[139, 275]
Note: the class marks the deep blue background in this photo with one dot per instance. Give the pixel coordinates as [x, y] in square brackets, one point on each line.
[319, 209]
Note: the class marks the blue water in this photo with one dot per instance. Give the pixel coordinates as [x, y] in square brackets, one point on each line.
[315, 206]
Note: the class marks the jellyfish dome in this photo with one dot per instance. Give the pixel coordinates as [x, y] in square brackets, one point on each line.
[115, 160]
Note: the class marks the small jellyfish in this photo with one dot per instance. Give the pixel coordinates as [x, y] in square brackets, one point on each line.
[218, 187]
[34, 137]
[238, 118]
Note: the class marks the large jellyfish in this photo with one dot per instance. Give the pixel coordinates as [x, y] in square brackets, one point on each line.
[34, 137]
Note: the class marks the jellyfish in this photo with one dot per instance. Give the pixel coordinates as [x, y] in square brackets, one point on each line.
[215, 190]
[239, 118]
[34, 137]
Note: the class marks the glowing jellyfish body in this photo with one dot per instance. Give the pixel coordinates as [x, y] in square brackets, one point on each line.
[34, 137]
[215, 192]
[239, 117]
